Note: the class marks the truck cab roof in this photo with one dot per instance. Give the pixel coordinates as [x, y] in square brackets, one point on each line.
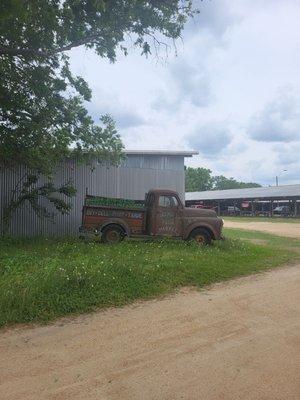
[164, 191]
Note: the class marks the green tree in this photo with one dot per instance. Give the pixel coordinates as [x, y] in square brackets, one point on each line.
[220, 182]
[42, 115]
[198, 179]
[201, 179]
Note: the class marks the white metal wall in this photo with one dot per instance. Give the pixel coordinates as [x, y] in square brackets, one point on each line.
[136, 175]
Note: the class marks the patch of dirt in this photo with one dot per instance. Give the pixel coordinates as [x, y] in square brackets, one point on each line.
[281, 229]
[234, 340]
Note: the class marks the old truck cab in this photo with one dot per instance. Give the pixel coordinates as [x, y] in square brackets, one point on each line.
[162, 214]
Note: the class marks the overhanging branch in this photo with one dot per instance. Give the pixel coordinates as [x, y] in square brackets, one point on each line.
[6, 50]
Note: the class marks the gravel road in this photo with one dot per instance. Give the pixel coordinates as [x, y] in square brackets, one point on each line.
[234, 340]
[276, 228]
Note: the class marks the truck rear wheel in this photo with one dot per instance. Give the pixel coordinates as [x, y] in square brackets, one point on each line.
[112, 234]
[201, 236]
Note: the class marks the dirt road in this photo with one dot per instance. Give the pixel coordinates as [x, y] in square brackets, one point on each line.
[282, 229]
[236, 340]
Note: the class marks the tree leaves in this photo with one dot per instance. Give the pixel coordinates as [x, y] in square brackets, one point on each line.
[201, 179]
[197, 179]
[42, 109]
[28, 190]
[42, 115]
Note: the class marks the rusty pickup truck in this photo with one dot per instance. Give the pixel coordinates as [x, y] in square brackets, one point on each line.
[162, 214]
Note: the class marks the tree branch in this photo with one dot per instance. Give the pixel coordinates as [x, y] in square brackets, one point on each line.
[5, 50]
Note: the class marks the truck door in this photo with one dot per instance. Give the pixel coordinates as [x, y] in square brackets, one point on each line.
[168, 216]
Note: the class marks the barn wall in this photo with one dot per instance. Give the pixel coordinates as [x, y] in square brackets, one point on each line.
[136, 175]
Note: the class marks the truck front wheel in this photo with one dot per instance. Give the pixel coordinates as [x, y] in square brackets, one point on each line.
[112, 234]
[201, 236]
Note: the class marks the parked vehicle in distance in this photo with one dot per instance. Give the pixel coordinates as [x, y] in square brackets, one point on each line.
[162, 214]
[281, 210]
[233, 210]
[202, 206]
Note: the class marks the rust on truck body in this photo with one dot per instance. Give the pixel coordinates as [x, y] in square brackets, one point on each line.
[162, 214]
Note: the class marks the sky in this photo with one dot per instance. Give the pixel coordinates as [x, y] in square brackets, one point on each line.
[230, 90]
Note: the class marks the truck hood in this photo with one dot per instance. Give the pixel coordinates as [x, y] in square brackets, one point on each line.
[199, 212]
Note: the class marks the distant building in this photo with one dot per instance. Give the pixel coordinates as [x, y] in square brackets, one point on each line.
[268, 201]
[139, 172]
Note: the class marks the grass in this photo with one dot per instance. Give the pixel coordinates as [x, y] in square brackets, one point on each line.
[42, 279]
[263, 219]
[265, 239]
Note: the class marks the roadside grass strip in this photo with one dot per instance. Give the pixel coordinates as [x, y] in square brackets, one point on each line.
[263, 219]
[280, 242]
[42, 279]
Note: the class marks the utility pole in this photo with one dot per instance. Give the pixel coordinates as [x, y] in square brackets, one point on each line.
[276, 177]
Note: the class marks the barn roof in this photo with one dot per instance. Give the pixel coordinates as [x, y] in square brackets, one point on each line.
[185, 153]
[285, 191]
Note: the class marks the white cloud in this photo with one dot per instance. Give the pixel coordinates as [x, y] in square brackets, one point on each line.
[215, 17]
[210, 140]
[125, 115]
[278, 121]
[234, 58]
[188, 83]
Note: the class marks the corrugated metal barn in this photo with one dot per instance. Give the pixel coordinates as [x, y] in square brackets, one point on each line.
[139, 172]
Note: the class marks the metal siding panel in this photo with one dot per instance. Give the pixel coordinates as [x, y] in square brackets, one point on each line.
[132, 161]
[159, 162]
[125, 181]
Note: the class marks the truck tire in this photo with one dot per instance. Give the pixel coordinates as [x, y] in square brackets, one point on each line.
[201, 236]
[112, 234]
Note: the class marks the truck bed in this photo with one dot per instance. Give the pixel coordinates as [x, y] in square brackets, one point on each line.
[113, 202]
[96, 214]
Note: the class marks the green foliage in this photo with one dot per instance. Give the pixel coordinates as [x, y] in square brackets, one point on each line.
[266, 239]
[42, 110]
[201, 179]
[42, 279]
[106, 201]
[42, 115]
[198, 179]
[42, 28]
[28, 190]
[221, 183]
